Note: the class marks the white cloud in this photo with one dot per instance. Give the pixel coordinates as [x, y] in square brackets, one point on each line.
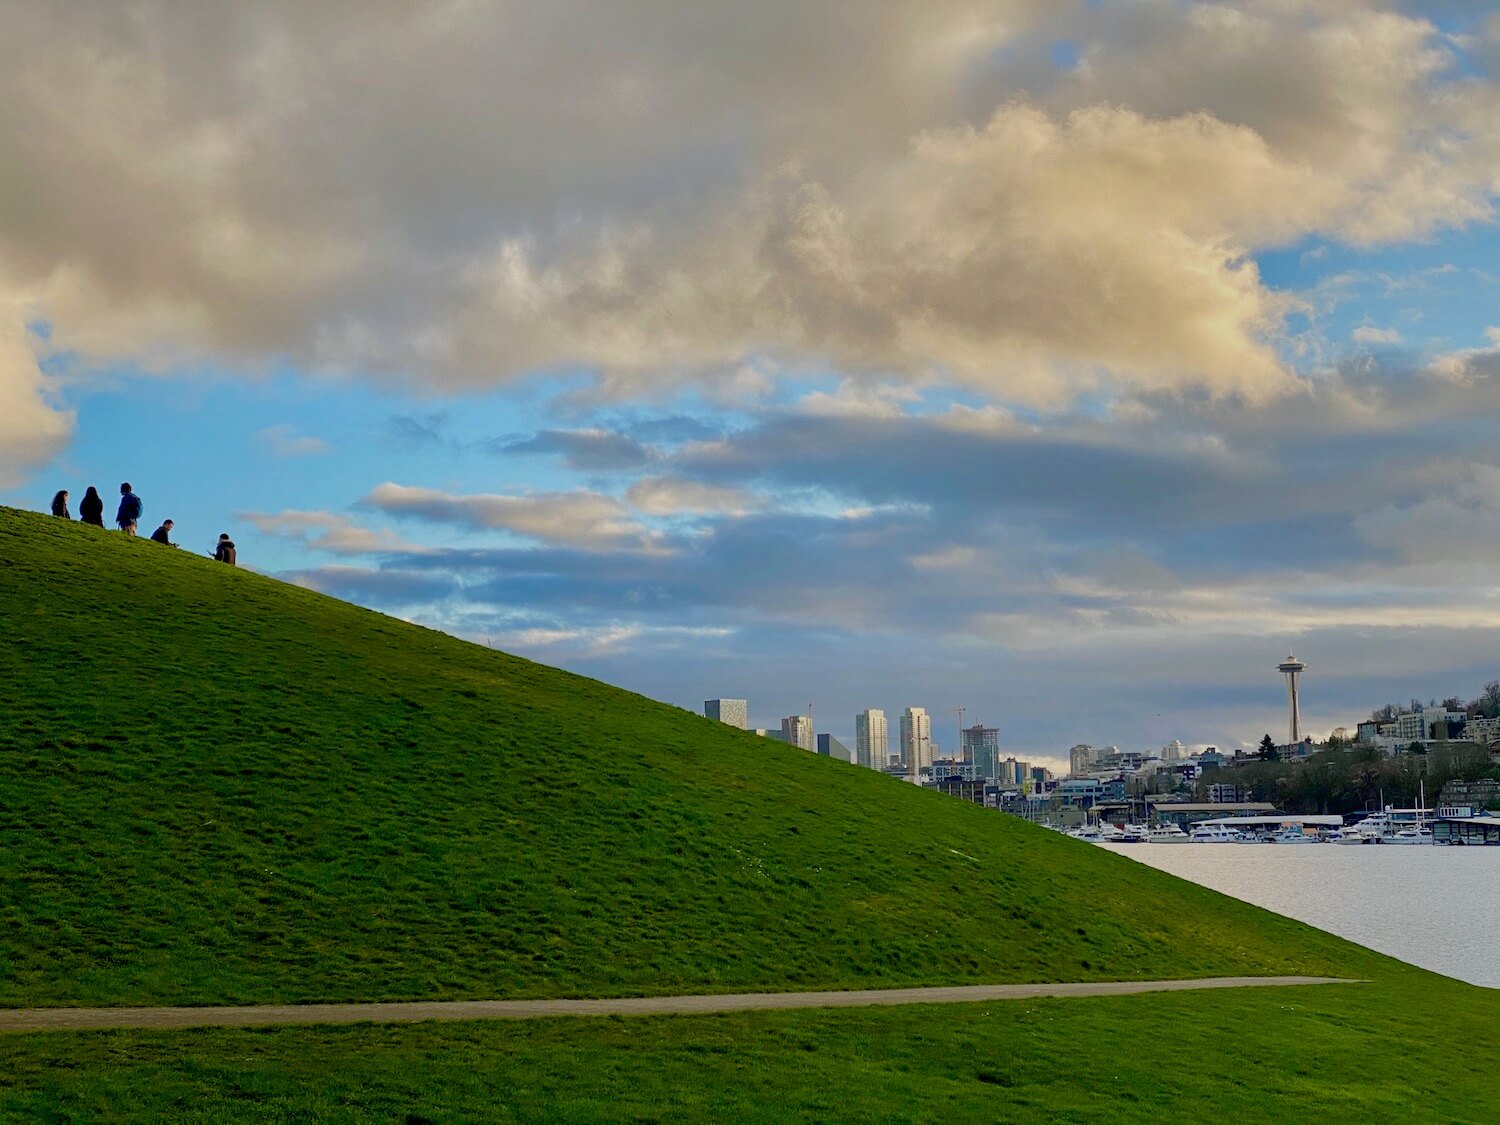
[32, 428]
[284, 441]
[670, 496]
[588, 520]
[329, 531]
[1368, 334]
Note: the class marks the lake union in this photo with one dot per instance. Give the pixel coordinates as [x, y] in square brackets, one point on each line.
[1434, 907]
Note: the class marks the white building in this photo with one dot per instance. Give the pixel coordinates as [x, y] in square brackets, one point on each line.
[796, 730]
[916, 739]
[1173, 751]
[735, 712]
[871, 739]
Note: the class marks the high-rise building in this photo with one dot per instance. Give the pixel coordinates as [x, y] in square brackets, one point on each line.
[1081, 759]
[916, 740]
[1173, 751]
[735, 712]
[981, 745]
[830, 747]
[871, 743]
[796, 730]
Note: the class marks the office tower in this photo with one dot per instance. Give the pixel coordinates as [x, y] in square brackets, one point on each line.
[830, 747]
[981, 745]
[796, 730]
[735, 712]
[916, 740]
[871, 745]
[1292, 669]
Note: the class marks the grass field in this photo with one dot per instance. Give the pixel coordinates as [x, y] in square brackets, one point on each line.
[1415, 1051]
[218, 788]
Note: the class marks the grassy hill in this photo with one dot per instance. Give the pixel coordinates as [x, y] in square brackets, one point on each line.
[219, 788]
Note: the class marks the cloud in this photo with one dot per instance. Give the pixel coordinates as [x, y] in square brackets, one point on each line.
[328, 531]
[591, 449]
[583, 519]
[1369, 334]
[458, 196]
[32, 428]
[285, 441]
[669, 496]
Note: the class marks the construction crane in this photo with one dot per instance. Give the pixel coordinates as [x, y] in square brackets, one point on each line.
[959, 711]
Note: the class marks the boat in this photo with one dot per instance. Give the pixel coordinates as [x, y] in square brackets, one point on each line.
[1416, 834]
[1217, 834]
[1166, 834]
[1345, 836]
[1133, 834]
[1293, 835]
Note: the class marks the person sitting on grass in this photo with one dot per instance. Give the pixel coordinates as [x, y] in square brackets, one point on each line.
[224, 552]
[60, 505]
[163, 534]
[91, 507]
[130, 510]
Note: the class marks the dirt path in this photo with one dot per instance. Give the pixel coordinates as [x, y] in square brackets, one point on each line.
[84, 1019]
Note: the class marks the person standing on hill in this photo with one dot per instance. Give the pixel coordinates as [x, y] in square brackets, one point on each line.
[130, 510]
[60, 505]
[91, 507]
[163, 534]
[224, 552]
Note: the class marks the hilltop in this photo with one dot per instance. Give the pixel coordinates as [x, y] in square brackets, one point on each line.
[221, 788]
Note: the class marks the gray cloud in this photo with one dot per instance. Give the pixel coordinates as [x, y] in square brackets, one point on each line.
[590, 450]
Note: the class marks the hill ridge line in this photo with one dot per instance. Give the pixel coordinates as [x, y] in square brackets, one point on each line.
[273, 1015]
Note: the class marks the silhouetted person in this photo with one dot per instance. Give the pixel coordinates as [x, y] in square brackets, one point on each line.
[224, 552]
[163, 534]
[130, 510]
[60, 505]
[91, 507]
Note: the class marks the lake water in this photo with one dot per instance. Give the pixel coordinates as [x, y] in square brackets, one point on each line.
[1434, 907]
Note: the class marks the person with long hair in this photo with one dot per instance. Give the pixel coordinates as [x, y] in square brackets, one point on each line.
[60, 504]
[91, 507]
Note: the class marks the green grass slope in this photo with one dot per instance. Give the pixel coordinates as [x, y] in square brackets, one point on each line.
[219, 788]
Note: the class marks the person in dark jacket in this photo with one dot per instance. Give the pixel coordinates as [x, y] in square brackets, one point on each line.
[60, 505]
[163, 534]
[91, 507]
[130, 510]
[224, 552]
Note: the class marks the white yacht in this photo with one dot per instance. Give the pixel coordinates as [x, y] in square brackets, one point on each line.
[1346, 836]
[1217, 834]
[1415, 834]
[1166, 834]
[1133, 834]
[1294, 835]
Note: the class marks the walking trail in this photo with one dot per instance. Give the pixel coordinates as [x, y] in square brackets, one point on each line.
[85, 1019]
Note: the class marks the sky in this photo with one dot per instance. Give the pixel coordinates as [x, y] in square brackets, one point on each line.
[1068, 361]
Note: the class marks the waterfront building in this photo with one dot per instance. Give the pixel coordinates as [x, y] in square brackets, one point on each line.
[796, 730]
[871, 745]
[771, 734]
[981, 745]
[733, 712]
[916, 740]
[1185, 815]
[830, 747]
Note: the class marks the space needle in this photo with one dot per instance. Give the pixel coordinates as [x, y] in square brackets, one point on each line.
[1291, 667]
